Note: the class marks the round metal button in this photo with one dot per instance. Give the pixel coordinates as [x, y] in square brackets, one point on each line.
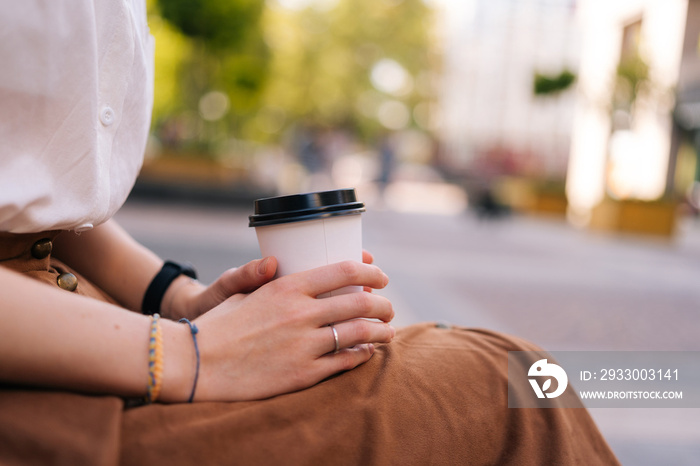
[41, 248]
[67, 281]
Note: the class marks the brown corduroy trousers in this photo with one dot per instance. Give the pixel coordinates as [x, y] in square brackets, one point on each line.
[432, 396]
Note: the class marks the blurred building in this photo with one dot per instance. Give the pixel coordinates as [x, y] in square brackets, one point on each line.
[493, 49]
[684, 166]
[636, 55]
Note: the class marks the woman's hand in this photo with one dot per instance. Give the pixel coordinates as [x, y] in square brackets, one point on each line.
[188, 298]
[278, 339]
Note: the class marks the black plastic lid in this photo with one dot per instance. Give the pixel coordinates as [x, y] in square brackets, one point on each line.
[308, 206]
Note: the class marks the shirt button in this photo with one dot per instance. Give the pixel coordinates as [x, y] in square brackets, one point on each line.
[107, 116]
[42, 248]
[67, 281]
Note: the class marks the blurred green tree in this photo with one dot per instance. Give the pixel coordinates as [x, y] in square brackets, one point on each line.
[220, 24]
[217, 60]
[342, 63]
[252, 69]
[632, 78]
[545, 84]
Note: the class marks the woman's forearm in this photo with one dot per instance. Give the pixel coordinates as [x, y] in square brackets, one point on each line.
[53, 338]
[250, 346]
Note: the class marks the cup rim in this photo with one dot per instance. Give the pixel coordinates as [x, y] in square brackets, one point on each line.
[305, 206]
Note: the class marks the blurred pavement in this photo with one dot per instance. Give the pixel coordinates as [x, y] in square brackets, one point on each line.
[537, 278]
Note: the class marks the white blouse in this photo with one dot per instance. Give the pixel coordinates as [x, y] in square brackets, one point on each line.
[76, 91]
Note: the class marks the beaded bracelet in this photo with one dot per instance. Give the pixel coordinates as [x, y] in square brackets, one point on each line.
[193, 330]
[155, 360]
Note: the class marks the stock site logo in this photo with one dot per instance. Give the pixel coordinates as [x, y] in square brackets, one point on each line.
[543, 369]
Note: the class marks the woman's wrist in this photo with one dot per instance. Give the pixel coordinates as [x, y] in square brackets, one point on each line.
[179, 362]
[178, 300]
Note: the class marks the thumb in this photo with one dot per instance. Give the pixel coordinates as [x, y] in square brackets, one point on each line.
[244, 279]
[248, 277]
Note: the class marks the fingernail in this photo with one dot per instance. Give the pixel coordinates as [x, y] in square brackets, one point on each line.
[393, 331]
[371, 348]
[386, 279]
[262, 267]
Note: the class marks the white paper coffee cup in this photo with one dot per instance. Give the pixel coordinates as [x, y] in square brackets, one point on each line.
[305, 231]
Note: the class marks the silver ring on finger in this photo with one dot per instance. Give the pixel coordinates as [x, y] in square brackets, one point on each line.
[335, 339]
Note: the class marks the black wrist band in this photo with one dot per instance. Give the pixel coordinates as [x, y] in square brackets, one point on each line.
[156, 290]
